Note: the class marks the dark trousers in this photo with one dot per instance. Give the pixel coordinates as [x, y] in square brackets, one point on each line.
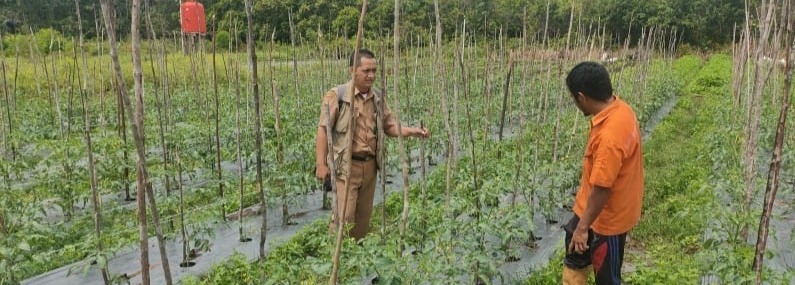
[605, 253]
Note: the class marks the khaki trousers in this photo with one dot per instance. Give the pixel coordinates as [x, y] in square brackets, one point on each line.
[360, 198]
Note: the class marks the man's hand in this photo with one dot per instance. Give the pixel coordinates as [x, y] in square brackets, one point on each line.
[322, 172]
[579, 241]
[421, 133]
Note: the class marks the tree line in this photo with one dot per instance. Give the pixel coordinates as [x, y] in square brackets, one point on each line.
[701, 23]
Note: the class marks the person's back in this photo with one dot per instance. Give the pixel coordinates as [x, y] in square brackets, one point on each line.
[615, 129]
[608, 202]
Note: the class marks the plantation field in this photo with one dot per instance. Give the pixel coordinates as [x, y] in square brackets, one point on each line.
[228, 159]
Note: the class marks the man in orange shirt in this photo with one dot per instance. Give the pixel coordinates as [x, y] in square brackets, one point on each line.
[609, 200]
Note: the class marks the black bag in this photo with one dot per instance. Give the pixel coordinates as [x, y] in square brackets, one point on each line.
[327, 185]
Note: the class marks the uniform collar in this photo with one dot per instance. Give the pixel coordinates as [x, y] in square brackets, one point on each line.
[602, 115]
[356, 91]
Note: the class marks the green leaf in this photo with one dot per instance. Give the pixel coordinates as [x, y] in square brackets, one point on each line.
[102, 261]
[24, 246]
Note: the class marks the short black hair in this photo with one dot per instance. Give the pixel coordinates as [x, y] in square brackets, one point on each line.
[363, 53]
[591, 79]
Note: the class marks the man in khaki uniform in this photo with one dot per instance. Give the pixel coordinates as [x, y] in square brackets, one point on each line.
[361, 104]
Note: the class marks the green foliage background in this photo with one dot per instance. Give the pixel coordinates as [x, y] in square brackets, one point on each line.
[701, 23]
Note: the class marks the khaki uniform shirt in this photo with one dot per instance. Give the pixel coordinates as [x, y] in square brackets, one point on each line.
[363, 107]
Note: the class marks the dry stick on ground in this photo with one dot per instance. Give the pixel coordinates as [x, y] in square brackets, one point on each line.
[404, 165]
[774, 173]
[335, 263]
[142, 178]
[219, 172]
[257, 125]
[754, 109]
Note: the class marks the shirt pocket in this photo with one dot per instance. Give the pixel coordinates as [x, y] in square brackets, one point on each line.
[343, 119]
[588, 156]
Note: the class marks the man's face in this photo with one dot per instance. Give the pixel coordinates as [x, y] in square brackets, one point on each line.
[364, 74]
[579, 99]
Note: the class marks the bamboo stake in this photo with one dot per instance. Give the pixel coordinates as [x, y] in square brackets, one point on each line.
[295, 61]
[753, 114]
[381, 145]
[423, 194]
[109, 19]
[14, 95]
[774, 173]
[143, 235]
[326, 200]
[159, 103]
[55, 91]
[348, 154]
[505, 99]
[143, 176]
[182, 229]
[95, 201]
[240, 169]
[450, 153]
[486, 90]
[401, 144]
[279, 135]
[219, 172]
[257, 125]
[10, 123]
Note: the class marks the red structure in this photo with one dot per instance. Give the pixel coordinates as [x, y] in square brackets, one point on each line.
[192, 18]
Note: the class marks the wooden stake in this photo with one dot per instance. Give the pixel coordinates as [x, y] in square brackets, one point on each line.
[257, 125]
[348, 154]
[95, 199]
[774, 172]
[218, 171]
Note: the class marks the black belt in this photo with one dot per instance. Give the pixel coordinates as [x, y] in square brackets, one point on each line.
[362, 157]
